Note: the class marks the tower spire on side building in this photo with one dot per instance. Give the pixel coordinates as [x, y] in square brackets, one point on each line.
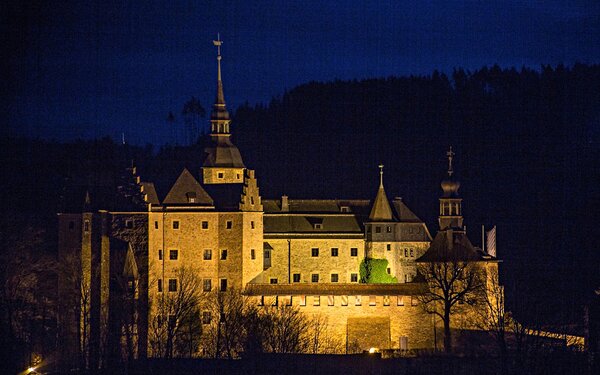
[381, 210]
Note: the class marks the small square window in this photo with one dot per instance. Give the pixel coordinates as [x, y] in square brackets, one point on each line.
[155, 224]
[353, 277]
[314, 278]
[377, 229]
[223, 286]
[388, 247]
[314, 252]
[334, 277]
[318, 226]
[176, 224]
[228, 224]
[296, 277]
[206, 317]
[252, 254]
[160, 255]
[354, 252]
[207, 285]
[129, 224]
[207, 254]
[334, 251]
[220, 175]
[224, 254]
[86, 226]
[160, 286]
[172, 285]
[273, 281]
[252, 224]
[205, 225]
[173, 254]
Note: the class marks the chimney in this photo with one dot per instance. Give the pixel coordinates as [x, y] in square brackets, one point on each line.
[285, 205]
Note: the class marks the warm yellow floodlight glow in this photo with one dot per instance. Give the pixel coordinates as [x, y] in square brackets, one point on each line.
[372, 350]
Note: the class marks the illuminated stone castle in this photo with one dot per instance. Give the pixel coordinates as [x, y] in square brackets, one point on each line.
[301, 252]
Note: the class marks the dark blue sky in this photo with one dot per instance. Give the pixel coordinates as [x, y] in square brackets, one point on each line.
[94, 68]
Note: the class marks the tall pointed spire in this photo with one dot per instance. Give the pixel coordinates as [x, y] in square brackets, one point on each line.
[381, 210]
[219, 117]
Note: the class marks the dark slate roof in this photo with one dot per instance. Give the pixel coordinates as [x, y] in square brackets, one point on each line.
[185, 186]
[449, 245]
[381, 210]
[294, 223]
[150, 192]
[401, 289]
[403, 213]
[317, 205]
[223, 153]
[225, 196]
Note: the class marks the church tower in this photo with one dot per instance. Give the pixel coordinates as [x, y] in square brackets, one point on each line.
[450, 203]
[223, 164]
[380, 225]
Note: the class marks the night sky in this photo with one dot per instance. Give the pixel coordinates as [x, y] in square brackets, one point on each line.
[94, 68]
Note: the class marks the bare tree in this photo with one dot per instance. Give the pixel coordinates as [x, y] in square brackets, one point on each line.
[192, 113]
[175, 311]
[451, 283]
[285, 330]
[320, 337]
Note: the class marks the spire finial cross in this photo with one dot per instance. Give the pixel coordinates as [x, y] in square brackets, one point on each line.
[217, 43]
[381, 174]
[450, 155]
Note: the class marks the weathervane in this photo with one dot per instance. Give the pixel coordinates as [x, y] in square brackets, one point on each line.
[380, 174]
[218, 44]
[450, 155]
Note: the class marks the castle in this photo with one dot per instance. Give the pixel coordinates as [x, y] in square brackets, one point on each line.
[305, 253]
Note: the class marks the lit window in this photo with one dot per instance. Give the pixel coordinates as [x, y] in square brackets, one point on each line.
[314, 251]
[207, 285]
[354, 252]
[205, 225]
[206, 317]
[228, 224]
[314, 278]
[377, 229]
[334, 251]
[273, 281]
[223, 285]
[159, 254]
[176, 224]
[302, 300]
[400, 300]
[207, 254]
[160, 286]
[86, 226]
[334, 277]
[372, 300]
[316, 300]
[172, 285]
[296, 277]
[173, 254]
[252, 254]
[224, 254]
[353, 277]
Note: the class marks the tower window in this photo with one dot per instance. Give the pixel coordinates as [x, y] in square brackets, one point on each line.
[173, 254]
[176, 224]
[252, 254]
[86, 226]
[389, 229]
[224, 254]
[334, 251]
[220, 175]
[318, 226]
[205, 225]
[377, 229]
[229, 224]
[172, 285]
[314, 252]
[155, 224]
[252, 224]
[354, 252]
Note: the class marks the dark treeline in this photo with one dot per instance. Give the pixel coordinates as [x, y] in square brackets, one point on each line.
[526, 144]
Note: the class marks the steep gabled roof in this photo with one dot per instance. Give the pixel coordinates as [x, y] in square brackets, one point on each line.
[185, 187]
[449, 246]
[150, 191]
[403, 213]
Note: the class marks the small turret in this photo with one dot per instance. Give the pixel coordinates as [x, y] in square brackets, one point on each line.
[450, 203]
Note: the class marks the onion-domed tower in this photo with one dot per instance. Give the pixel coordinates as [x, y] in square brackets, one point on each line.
[450, 202]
